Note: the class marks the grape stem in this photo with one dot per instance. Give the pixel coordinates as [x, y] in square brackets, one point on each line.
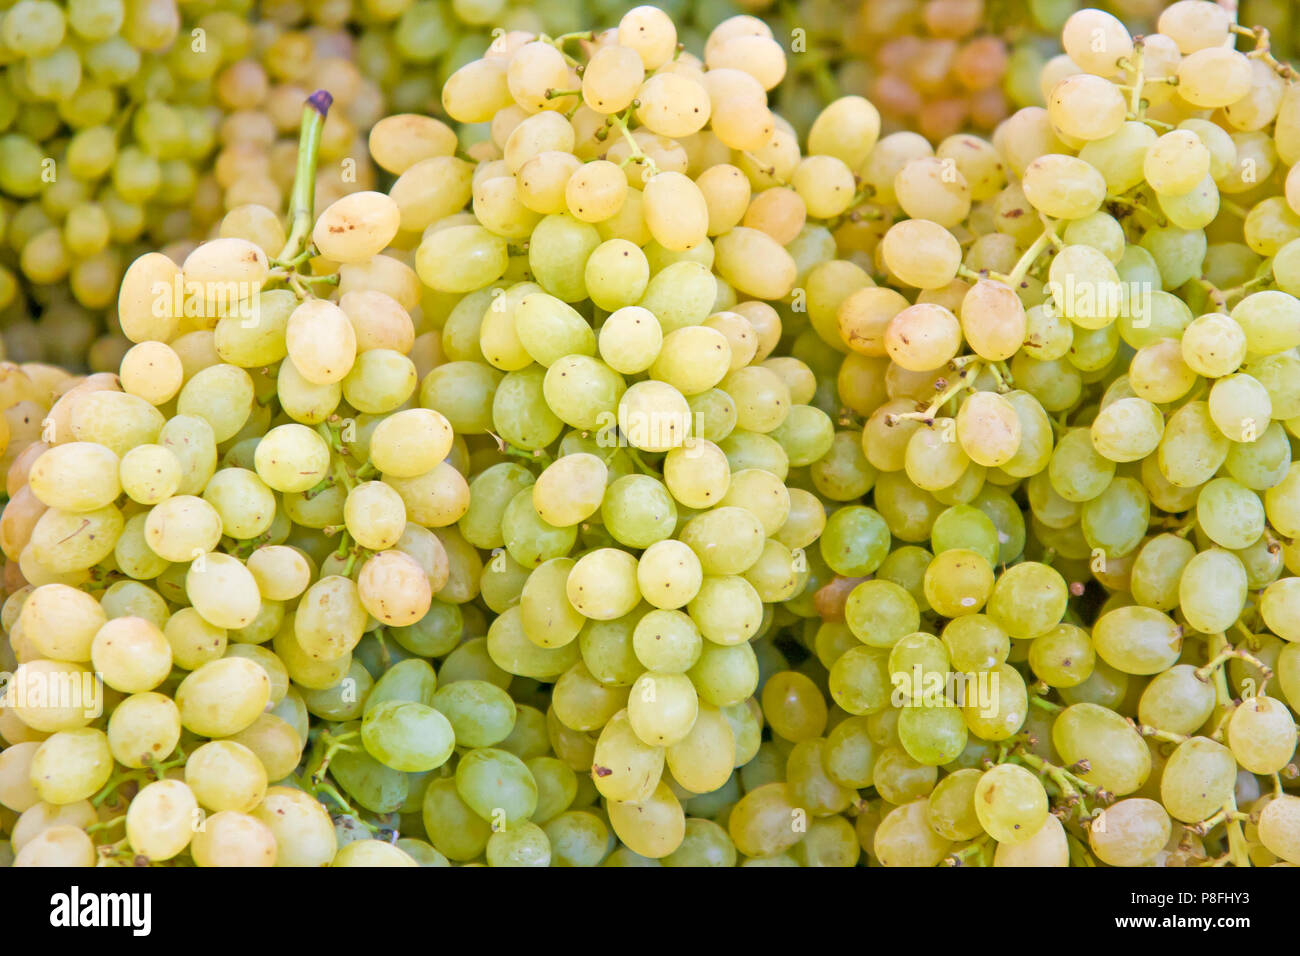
[1026, 261]
[1263, 52]
[352, 561]
[558, 43]
[1216, 295]
[536, 456]
[965, 376]
[140, 775]
[641, 465]
[1146, 730]
[977, 849]
[302, 200]
[1136, 105]
[620, 121]
[106, 824]
[1228, 814]
[1203, 674]
[1136, 207]
[314, 781]
[1044, 704]
[1066, 782]
[384, 654]
[1263, 279]
[1002, 375]
[1237, 210]
[1079, 855]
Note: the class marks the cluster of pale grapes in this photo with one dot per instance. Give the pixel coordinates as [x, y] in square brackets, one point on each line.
[935, 67]
[640, 482]
[136, 125]
[124, 126]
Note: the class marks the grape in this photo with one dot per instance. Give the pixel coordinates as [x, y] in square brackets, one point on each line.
[1198, 778]
[1010, 803]
[1261, 735]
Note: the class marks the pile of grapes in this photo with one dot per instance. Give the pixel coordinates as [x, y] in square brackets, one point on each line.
[135, 125]
[638, 479]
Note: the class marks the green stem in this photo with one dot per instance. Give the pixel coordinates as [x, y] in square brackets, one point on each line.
[968, 373]
[1223, 655]
[106, 824]
[636, 155]
[302, 200]
[1021, 268]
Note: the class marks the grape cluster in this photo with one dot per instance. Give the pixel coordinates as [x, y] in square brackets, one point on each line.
[136, 125]
[636, 480]
[122, 129]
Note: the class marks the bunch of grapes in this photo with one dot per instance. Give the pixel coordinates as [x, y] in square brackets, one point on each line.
[1105, 333]
[112, 112]
[131, 125]
[638, 481]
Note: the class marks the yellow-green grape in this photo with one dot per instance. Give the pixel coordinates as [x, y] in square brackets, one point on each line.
[131, 655]
[1028, 600]
[951, 807]
[662, 707]
[1064, 657]
[1262, 735]
[958, 582]
[1117, 757]
[1198, 779]
[223, 697]
[1137, 640]
[1277, 827]
[1010, 803]
[905, 838]
[1212, 590]
[793, 706]
[160, 820]
[1130, 832]
[71, 765]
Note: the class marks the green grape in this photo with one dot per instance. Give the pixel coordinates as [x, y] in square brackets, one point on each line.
[1212, 590]
[497, 786]
[1117, 757]
[958, 582]
[549, 619]
[1010, 803]
[1230, 514]
[951, 807]
[1137, 640]
[480, 713]
[727, 540]
[881, 612]
[582, 703]
[1130, 832]
[375, 786]
[1065, 656]
[1028, 600]
[1157, 570]
[638, 511]
[453, 828]
[856, 541]
[529, 539]
[1198, 779]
